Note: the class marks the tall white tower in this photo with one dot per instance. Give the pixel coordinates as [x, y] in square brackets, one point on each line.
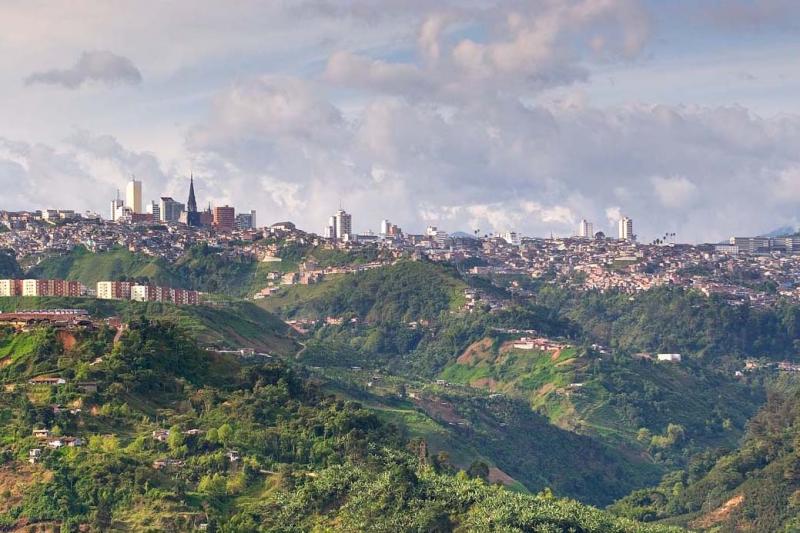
[343, 224]
[585, 229]
[625, 229]
[133, 196]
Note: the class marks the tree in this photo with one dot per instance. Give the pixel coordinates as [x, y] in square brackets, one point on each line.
[175, 439]
[479, 469]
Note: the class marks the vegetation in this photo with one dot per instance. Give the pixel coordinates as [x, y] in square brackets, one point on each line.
[9, 268]
[117, 264]
[234, 324]
[175, 437]
[405, 292]
[755, 487]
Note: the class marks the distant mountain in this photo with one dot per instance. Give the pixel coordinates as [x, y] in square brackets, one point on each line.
[784, 231]
[463, 235]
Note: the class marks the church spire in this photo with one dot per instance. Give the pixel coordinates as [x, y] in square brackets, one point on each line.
[191, 205]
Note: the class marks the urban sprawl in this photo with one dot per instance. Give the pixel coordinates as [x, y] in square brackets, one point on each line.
[756, 270]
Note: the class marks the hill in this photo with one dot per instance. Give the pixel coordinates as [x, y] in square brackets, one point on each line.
[754, 488]
[234, 324]
[404, 292]
[623, 401]
[170, 437]
[9, 268]
[472, 427]
[119, 263]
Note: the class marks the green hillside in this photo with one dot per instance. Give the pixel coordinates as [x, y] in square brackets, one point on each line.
[754, 488]
[242, 448]
[400, 293]
[119, 263]
[622, 401]
[200, 268]
[668, 319]
[9, 268]
[234, 324]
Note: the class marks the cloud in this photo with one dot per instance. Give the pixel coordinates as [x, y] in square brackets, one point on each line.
[502, 165]
[674, 192]
[533, 48]
[420, 112]
[92, 67]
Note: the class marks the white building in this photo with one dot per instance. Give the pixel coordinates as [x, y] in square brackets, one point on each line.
[669, 357]
[50, 214]
[7, 287]
[116, 209]
[154, 208]
[511, 237]
[625, 229]
[385, 225]
[133, 196]
[585, 229]
[140, 293]
[30, 287]
[340, 226]
[343, 225]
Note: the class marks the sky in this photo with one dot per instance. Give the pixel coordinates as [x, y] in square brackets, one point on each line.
[467, 115]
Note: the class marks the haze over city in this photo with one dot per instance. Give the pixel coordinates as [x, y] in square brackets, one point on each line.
[470, 115]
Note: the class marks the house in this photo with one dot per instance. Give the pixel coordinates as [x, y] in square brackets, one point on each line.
[669, 357]
[233, 455]
[34, 455]
[41, 433]
[160, 464]
[88, 387]
[45, 380]
[55, 443]
[161, 435]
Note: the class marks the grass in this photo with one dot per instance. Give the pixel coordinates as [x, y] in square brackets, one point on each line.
[293, 297]
[89, 268]
[231, 324]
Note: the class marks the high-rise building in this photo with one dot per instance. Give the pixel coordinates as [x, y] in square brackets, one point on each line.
[224, 218]
[154, 208]
[170, 210]
[116, 208]
[330, 230]
[385, 225]
[246, 220]
[585, 229]
[133, 196]
[343, 223]
[625, 229]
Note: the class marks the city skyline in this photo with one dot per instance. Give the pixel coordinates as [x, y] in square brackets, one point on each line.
[496, 116]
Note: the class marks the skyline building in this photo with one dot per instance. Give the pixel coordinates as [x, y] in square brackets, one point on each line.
[586, 229]
[170, 210]
[340, 226]
[224, 218]
[116, 207]
[133, 196]
[343, 225]
[625, 229]
[154, 208]
[246, 220]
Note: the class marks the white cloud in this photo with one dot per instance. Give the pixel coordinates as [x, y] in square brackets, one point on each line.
[674, 192]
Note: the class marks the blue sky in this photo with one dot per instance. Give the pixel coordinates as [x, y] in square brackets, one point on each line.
[492, 115]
